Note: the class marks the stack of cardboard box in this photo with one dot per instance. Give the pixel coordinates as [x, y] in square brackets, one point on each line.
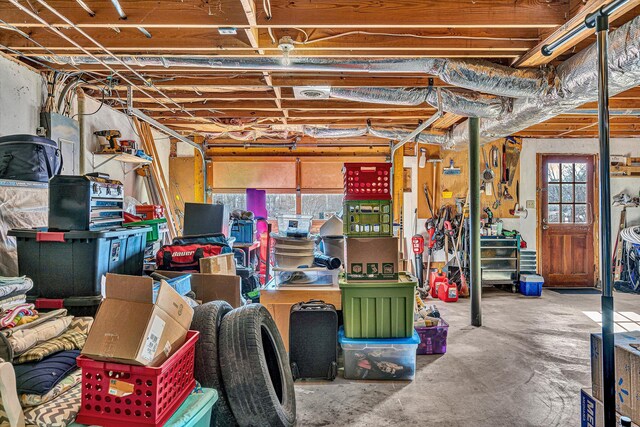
[627, 380]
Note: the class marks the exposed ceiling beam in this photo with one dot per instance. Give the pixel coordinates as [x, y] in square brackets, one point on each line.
[309, 14]
[535, 58]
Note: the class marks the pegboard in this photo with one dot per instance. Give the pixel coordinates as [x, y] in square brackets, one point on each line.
[458, 185]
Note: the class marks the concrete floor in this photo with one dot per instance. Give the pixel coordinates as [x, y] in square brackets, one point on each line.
[524, 367]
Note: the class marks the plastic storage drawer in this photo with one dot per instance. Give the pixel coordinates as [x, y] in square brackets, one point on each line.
[368, 218]
[71, 264]
[379, 309]
[433, 339]
[367, 181]
[379, 359]
[244, 230]
[158, 228]
[531, 285]
[155, 393]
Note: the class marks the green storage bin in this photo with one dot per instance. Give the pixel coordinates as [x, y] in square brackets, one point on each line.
[158, 228]
[367, 218]
[379, 309]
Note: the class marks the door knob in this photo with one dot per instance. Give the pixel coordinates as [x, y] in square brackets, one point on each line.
[545, 226]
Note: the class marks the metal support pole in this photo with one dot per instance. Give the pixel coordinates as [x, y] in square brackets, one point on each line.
[608, 361]
[474, 221]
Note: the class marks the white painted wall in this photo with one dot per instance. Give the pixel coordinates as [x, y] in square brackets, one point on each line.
[528, 175]
[21, 94]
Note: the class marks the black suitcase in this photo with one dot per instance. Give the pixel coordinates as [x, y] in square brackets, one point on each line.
[29, 158]
[313, 340]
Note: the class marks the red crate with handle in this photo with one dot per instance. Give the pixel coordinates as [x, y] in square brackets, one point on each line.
[118, 395]
[367, 181]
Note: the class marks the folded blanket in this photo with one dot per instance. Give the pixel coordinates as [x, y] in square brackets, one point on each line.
[41, 377]
[9, 303]
[12, 280]
[72, 339]
[12, 287]
[24, 339]
[7, 351]
[66, 384]
[13, 317]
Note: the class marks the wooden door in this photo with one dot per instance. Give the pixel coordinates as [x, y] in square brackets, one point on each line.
[566, 228]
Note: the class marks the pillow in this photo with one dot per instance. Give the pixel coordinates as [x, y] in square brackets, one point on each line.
[70, 340]
[66, 384]
[41, 377]
[60, 412]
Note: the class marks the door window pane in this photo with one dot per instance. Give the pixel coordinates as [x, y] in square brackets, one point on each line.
[554, 193]
[553, 215]
[553, 172]
[567, 193]
[581, 214]
[567, 213]
[581, 172]
[581, 193]
[567, 172]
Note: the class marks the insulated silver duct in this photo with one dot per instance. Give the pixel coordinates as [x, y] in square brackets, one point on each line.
[578, 85]
[480, 76]
[458, 101]
[327, 133]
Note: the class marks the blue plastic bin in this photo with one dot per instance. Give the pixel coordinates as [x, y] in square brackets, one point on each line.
[243, 230]
[195, 411]
[379, 359]
[531, 285]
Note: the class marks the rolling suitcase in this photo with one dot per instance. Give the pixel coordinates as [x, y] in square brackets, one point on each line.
[313, 340]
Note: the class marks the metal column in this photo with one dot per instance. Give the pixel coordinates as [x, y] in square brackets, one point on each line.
[474, 221]
[608, 361]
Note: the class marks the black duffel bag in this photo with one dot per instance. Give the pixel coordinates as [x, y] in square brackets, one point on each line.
[29, 158]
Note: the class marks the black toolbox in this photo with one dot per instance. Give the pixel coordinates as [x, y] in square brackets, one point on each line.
[313, 340]
[67, 266]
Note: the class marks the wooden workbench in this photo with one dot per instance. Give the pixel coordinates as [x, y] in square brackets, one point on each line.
[279, 301]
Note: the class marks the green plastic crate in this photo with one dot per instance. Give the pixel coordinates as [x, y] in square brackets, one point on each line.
[158, 228]
[379, 309]
[367, 218]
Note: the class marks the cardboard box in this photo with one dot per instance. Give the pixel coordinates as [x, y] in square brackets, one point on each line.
[592, 410]
[371, 258]
[218, 264]
[129, 328]
[214, 287]
[627, 376]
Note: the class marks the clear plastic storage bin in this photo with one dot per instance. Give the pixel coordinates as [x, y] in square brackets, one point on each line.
[379, 359]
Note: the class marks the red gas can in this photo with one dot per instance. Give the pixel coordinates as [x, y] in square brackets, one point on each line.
[448, 292]
[436, 279]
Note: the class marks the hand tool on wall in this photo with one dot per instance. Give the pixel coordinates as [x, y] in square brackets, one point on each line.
[497, 202]
[428, 197]
[513, 157]
[434, 164]
[487, 174]
[451, 170]
[494, 156]
[518, 209]
[505, 193]
[464, 289]
[489, 215]
[503, 168]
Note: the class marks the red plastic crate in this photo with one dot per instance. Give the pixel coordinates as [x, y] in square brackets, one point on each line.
[157, 392]
[147, 212]
[367, 181]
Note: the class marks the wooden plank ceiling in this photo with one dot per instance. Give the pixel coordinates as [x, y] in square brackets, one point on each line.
[508, 32]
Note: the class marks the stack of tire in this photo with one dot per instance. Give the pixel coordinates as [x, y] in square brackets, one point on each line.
[240, 353]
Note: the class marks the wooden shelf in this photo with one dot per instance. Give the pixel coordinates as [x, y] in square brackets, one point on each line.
[124, 158]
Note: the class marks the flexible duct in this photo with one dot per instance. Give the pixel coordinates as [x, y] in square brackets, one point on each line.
[578, 84]
[540, 94]
[458, 101]
[481, 76]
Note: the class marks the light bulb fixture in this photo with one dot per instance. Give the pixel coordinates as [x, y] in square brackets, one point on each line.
[422, 163]
[285, 44]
